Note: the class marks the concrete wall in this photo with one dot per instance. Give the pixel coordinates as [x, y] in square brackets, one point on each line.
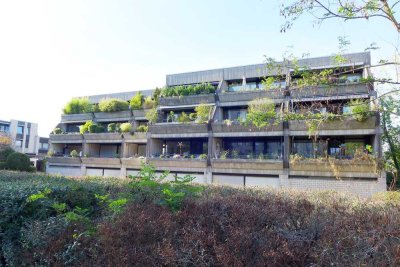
[64, 170]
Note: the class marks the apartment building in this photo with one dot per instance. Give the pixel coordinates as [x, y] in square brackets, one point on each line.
[24, 136]
[226, 151]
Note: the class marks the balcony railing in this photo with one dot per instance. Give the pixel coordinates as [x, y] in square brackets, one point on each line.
[102, 162]
[178, 163]
[76, 117]
[66, 138]
[133, 162]
[246, 165]
[246, 96]
[336, 167]
[140, 114]
[113, 116]
[64, 160]
[334, 90]
[344, 124]
[103, 137]
[224, 129]
[140, 137]
[179, 129]
[190, 100]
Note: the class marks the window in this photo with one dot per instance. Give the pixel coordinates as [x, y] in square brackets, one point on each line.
[20, 130]
[235, 114]
[44, 146]
[18, 143]
[251, 86]
[346, 110]
[303, 148]
[73, 128]
[350, 78]
[4, 128]
[234, 87]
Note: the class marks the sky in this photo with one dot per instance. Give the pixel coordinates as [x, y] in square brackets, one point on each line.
[53, 50]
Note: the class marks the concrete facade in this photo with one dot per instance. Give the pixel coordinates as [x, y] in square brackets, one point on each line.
[113, 154]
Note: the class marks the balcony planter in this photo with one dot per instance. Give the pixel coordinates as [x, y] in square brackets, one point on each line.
[180, 163]
[189, 100]
[136, 137]
[345, 124]
[66, 138]
[64, 160]
[76, 117]
[140, 114]
[103, 137]
[132, 162]
[246, 165]
[102, 162]
[246, 96]
[113, 116]
[224, 130]
[179, 129]
[342, 166]
[334, 90]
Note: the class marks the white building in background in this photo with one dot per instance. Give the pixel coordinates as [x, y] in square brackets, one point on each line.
[24, 136]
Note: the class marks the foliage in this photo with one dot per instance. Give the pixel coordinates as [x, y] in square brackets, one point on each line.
[74, 154]
[184, 118]
[113, 105]
[126, 127]
[142, 128]
[203, 156]
[152, 115]
[360, 109]
[184, 90]
[149, 103]
[156, 95]
[136, 101]
[92, 128]
[203, 113]
[85, 128]
[112, 128]
[18, 162]
[57, 131]
[261, 112]
[5, 152]
[78, 106]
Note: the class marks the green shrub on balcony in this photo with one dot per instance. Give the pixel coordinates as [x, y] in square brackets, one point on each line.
[203, 113]
[85, 128]
[149, 103]
[74, 153]
[126, 127]
[137, 101]
[113, 127]
[152, 115]
[78, 106]
[113, 105]
[184, 90]
[142, 128]
[92, 128]
[100, 129]
[261, 112]
[359, 109]
[184, 118]
[57, 131]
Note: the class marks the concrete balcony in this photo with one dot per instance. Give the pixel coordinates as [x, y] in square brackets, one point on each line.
[346, 126]
[102, 162]
[103, 137]
[140, 114]
[330, 91]
[235, 130]
[64, 161]
[254, 166]
[132, 163]
[242, 98]
[137, 137]
[172, 130]
[113, 116]
[190, 100]
[66, 138]
[181, 164]
[342, 168]
[70, 118]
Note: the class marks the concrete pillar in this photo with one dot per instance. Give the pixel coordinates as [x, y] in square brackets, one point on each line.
[83, 170]
[208, 175]
[284, 179]
[85, 149]
[123, 172]
[286, 145]
[124, 149]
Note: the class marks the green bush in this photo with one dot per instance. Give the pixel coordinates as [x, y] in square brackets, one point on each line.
[18, 162]
[261, 112]
[78, 106]
[74, 153]
[112, 128]
[113, 105]
[4, 153]
[137, 101]
[57, 131]
[92, 128]
[142, 128]
[359, 109]
[183, 118]
[85, 128]
[203, 113]
[183, 90]
[149, 103]
[3, 165]
[100, 129]
[152, 115]
[126, 127]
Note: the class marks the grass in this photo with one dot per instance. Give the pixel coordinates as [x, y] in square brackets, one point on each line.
[54, 221]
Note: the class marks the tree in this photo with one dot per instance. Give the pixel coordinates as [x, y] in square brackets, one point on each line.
[346, 10]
